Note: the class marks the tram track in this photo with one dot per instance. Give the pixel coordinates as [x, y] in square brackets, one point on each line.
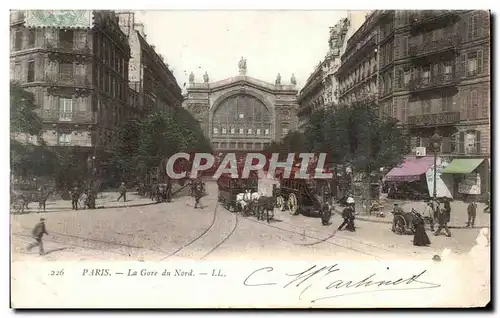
[209, 237]
[204, 244]
[335, 234]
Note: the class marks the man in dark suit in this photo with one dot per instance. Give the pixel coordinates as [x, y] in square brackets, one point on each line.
[38, 231]
[75, 195]
[443, 218]
[471, 211]
[198, 193]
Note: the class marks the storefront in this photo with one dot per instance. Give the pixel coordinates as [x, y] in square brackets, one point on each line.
[470, 178]
[408, 180]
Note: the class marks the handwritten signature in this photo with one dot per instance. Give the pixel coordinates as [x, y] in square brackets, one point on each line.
[326, 280]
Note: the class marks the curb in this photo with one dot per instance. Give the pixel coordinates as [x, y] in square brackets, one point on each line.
[61, 209]
[360, 218]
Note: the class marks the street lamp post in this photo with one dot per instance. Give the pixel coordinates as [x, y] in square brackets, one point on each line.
[436, 145]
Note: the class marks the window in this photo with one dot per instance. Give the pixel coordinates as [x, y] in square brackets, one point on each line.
[66, 71]
[473, 29]
[426, 75]
[479, 61]
[65, 109]
[31, 38]
[224, 130]
[64, 139]
[485, 107]
[447, 104]
[18, 40]
[404, 114]
[31, 71]
[241, 131]
[472, 68]
[447, 71]
[232, 130]
[406, 46]
[472, 110]
[17, 71]
[258, 131]
[66, 39]
[249, 131]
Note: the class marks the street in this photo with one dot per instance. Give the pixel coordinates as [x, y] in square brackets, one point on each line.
[178, 231]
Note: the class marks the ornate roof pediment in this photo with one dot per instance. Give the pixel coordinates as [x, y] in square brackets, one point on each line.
[241, 81]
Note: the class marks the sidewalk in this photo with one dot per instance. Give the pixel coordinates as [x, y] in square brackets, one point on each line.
[105, 200]
[458, 218]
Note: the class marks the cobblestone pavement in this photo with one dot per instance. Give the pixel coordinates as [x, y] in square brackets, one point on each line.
[178, 231]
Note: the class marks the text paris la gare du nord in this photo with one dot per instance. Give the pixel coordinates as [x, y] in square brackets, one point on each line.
[304, 165]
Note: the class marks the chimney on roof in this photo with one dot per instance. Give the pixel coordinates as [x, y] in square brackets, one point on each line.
[139, 27]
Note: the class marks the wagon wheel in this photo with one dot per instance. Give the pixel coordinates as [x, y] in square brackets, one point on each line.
[18, 206]
[400, 225]
[280, 203]
[293, 204]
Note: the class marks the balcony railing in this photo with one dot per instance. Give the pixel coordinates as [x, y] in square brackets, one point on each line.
[430, 47]
[424, 16]
[438, 119]
[74, 81]
[436, 81]
[77, 117]
[67, 47]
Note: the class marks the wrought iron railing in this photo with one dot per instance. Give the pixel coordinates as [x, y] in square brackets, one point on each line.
[78, 117]
[425, 83]
[68, 47]
[75, 80]
[431, 46]
[424, 16]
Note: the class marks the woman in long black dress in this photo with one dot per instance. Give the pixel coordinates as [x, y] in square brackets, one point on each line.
[420, 238]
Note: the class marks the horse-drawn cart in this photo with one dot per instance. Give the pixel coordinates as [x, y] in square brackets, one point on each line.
[230, 187]
[305, 196]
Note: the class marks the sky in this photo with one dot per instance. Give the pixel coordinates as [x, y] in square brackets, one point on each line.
[273, 42]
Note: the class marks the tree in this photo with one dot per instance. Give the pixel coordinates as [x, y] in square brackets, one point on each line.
[125, 152]
[27, 159]
[351, 134]
[144, 143]
[23, 118]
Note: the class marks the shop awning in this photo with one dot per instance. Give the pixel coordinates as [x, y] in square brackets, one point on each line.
[463, 165]
[410, 170]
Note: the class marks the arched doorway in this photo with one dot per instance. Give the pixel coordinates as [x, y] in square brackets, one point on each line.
[241, 123]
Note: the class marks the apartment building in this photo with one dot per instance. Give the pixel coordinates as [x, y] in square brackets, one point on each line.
[149, 76]
[320, 90]
[76, 64]
[431, 71]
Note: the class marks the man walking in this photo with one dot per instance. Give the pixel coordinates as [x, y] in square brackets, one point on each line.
[471, 211]
[198, 193]
[444, 218]
[75, 195]
[123, 192]
[38, 231]
[348, 215]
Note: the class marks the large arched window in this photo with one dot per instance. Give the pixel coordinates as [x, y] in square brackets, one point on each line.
[241, 115]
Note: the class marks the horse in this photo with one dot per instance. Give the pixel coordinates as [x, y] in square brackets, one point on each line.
[40, 197]
[265, 204]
